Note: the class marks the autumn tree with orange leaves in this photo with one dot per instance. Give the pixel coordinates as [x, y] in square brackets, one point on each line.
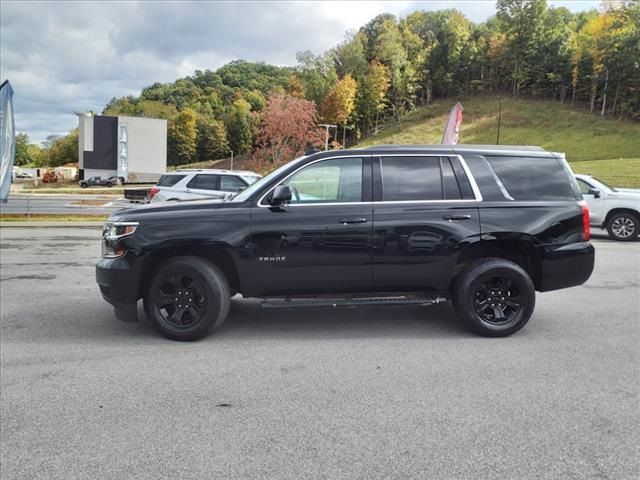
[288, 129]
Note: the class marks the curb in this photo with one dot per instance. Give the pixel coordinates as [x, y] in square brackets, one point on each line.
[51, 224]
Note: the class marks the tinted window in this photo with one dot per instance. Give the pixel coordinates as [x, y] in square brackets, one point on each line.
[338, 180]
[533, 178]
[451, 188]
[229, 183]
[169, 180]
[204, 182]
[411, 178]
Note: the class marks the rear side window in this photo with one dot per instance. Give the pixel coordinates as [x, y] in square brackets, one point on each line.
[204, 182]
[169, 180]
[449, 182]
[411, 179]
[525, 178]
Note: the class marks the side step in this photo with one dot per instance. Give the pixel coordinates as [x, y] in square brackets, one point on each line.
[352, 302]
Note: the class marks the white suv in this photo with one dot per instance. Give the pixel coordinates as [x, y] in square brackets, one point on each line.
[616, 209]
[200, 184]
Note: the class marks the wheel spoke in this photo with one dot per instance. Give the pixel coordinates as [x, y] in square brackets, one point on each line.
[498, 313]
[177, 316]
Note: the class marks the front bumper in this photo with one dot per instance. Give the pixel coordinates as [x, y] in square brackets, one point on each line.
[118, 282]
[564, 266]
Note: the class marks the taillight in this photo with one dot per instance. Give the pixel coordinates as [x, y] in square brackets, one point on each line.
[586, 229]
[153, 191]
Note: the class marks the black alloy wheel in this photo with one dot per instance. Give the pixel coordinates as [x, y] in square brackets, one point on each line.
[494, 297]
[181, 300]
[187, 298]
[497, 300]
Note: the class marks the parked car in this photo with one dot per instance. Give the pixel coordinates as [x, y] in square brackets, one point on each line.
[615, 209]
[98, 182]
[200, 183]
[24, 175]
[483, 226]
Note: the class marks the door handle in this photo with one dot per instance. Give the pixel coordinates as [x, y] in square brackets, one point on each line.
[456, 218]
[349, 221]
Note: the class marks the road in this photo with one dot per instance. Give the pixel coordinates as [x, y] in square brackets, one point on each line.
[64, 204]
[390, 392]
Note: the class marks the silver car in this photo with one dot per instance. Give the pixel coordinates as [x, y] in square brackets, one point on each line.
[200, 184]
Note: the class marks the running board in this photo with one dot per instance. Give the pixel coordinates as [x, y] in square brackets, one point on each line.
[351, 302]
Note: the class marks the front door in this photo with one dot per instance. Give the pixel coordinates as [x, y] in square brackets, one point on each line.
[596, 205]
[424, 208]
[321, 240]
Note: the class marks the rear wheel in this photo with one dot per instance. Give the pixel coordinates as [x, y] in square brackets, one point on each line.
[83, 185]
[494, 297]
[109, 184]
[188, 298]
[623, 226]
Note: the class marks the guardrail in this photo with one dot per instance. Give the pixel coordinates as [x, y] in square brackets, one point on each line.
[38, 204]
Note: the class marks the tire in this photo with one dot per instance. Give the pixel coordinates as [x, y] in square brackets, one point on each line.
[83, 185]
[200, 285]
[476, 288]
[109, 184]
[623, 226]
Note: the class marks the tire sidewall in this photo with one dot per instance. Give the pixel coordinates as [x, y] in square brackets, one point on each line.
[216, 293]
[636, 225]
[473, 277]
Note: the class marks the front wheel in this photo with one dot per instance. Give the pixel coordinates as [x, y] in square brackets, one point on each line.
[83, 185]
[494, 297]
[188, 298]
[623, 226]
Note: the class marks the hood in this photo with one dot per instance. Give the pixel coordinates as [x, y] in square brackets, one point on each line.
[634, 191]
[161, 211]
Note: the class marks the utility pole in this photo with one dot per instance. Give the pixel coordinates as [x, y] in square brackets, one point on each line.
[499, 121]
[327, 127]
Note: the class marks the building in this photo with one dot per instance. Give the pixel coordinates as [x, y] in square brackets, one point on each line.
[133, 148]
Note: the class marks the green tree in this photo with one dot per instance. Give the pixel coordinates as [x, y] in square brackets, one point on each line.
[212, 140]
[239, 126]
[182, 138]
[22, 153]
[64, 150]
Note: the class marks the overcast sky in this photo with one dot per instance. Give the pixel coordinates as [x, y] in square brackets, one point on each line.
[63, 57]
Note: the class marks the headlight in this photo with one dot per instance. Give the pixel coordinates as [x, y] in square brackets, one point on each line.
[112, 235]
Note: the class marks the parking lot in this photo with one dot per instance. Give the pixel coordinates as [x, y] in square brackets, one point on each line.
[391, 392]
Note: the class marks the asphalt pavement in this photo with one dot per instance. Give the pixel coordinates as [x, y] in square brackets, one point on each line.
[371, 393]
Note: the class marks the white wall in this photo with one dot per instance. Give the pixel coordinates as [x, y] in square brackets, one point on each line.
[146, 148]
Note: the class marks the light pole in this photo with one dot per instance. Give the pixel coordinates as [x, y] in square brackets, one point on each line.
[231, 160]
[327, 127]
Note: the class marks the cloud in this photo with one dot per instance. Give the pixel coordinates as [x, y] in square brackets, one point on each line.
[63, 57]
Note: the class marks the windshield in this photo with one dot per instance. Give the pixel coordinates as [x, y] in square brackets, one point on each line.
[254, 187]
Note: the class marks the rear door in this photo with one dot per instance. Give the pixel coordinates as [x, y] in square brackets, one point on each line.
[203, 185]
[424, 209]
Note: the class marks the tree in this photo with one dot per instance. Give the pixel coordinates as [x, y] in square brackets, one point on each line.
[27, 153]
[338, 105]
[288, 129]
[64, 150]
[239, 126]
[372, 93]
[212, 140]
[182, 138]
[318, 75]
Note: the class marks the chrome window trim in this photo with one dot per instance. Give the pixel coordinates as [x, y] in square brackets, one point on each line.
[472, 181]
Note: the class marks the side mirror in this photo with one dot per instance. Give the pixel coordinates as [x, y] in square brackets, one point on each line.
[281, 194]
[595, 192]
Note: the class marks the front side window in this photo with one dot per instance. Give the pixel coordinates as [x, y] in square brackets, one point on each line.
[230, 183]
[584, 186]
[338, 180]
[411, 179]
[204, 182]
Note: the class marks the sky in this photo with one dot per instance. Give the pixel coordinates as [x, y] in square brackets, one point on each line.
[62, 57]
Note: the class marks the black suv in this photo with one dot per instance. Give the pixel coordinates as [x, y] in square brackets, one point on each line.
[484, 226]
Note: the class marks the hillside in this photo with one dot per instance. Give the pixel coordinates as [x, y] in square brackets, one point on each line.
[600, 146]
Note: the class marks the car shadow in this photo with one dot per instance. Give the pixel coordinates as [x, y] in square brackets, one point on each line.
[603, 236]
